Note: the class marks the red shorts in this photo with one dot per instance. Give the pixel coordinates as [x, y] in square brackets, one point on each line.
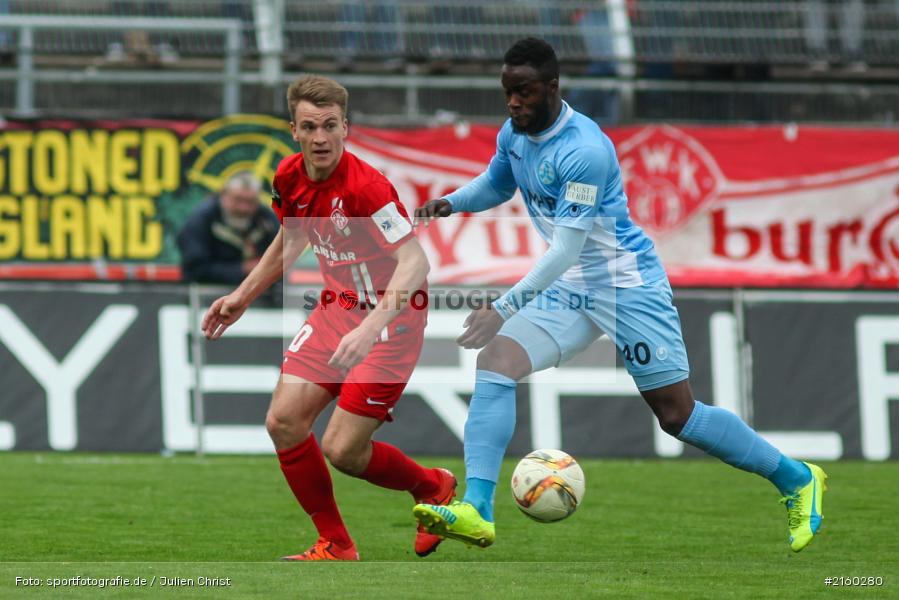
[371, 388]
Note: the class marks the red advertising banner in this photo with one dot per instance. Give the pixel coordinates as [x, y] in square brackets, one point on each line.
[726, 206]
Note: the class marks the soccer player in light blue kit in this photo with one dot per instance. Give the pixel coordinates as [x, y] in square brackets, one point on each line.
[600, 274]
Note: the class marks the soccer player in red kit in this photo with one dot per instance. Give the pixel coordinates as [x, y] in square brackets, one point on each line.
[362, 341]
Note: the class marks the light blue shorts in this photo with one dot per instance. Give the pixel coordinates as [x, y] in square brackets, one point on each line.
[642, 321]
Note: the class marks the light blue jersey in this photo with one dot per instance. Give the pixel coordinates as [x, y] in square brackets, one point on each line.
[570, 180]
[571, 183]
[569, 175]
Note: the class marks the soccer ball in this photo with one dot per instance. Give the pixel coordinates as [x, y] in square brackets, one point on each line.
[548, 485]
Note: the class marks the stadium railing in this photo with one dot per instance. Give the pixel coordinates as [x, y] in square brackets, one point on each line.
[709, 61]
[710, 31]
[26, 74]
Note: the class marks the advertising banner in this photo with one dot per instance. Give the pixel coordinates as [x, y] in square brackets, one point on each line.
[109, 367]
[727, 206]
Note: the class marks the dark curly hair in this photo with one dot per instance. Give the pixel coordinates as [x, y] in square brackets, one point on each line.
[536, 53]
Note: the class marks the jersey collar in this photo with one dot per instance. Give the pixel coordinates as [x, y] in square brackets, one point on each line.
[566, 113]
[335, 177]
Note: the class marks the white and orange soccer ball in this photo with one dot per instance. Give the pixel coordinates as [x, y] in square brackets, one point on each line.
[548, 485]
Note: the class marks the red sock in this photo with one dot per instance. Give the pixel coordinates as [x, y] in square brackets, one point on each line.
[308, 476]
[390, 468]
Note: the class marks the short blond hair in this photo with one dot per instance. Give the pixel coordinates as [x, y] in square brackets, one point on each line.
[320, 91]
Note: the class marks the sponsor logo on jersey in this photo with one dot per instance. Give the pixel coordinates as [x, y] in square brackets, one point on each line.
[332, 256]
[581, 193]
[392, 225]
[322, 241]
[325, 247]
[339, 219]
[546, 173]
[543, 205]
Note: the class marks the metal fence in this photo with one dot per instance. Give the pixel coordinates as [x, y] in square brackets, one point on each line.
[706, 61]
[713, 31]
[26, 75]
[79, 42]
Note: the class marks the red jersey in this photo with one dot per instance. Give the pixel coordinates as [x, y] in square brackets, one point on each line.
[354, 221]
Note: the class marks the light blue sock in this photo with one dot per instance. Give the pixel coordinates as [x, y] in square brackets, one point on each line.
[790, 475]
[490, 424]
[724, 435]
[479, 492]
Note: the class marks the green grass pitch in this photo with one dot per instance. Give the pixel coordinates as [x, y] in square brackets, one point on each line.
[646, 529]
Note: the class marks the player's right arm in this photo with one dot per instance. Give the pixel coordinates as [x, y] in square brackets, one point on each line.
[225, 311]
[491, 188]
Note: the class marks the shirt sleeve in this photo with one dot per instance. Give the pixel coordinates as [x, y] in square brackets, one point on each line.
[277, 202]
[386, 217]
[499, 171]
[582, 175]
[282, 207]
[492, 187]
[475, 196]
[563, 253]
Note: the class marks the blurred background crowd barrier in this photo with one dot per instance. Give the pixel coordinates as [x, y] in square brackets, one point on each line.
[414, 61]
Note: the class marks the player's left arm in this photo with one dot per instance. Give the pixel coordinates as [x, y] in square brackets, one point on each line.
[483, 324]
[391, 230]
[411, 271]
[582, 180]
[488, 190]
[583, 173]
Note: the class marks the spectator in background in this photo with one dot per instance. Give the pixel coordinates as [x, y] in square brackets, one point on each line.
[138, 46]
[224, 237]
[596, 31]
[851, 21]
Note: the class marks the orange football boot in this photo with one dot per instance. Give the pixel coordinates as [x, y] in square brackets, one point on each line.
[326, 550]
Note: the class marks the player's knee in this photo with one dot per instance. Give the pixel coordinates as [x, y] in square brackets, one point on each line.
[672, 416]
[670, 423]
[285, 430]
[672, 404]
[496, 361]
[343, 457]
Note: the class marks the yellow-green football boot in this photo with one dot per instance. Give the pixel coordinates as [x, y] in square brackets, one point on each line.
[804, 509]
[457, 521]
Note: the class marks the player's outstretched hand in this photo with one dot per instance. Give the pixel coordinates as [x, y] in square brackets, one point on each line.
[353, 348]
[482, 325]
[223, 313]
[430, 210]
